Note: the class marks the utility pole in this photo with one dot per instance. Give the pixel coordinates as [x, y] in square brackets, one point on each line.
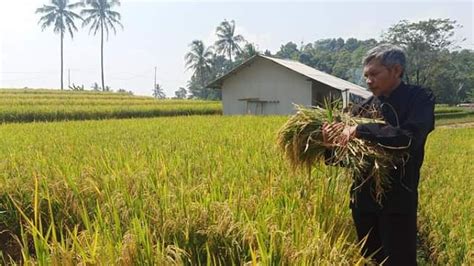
[68, 77]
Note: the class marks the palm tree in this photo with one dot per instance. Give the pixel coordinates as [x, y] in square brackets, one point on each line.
[200, 60]
[248, 51]
[59, 13]
[228, 42]
[101, 16]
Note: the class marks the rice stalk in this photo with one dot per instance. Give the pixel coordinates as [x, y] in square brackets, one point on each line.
[301, 140]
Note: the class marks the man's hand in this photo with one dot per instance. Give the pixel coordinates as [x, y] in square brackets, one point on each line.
[337, 134]
[330, 133]
[348, 133]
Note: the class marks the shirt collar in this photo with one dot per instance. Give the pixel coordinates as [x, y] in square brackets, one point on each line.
[396, 95]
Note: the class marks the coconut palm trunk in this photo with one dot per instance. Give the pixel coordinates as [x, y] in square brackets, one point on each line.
[99, 15]
[62, 59]
[102, 53]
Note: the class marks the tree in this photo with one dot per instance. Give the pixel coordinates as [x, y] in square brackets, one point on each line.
[228, 42]
[342, 65]
[199, 59]
[158, 92]
[101, 16]
[289, 51]
[61, 15]
[423, 42]
[181, 93]
[267, 53]
[247, 52]
[453, 78]
[74, 87]
[220, 66]
[124, 91]
[95, 87]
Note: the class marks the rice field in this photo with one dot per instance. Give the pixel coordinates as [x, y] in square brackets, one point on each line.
[193, 190]
[19, 105]
[29, 105]
[211, 190]
[446, 196]
[184, 190]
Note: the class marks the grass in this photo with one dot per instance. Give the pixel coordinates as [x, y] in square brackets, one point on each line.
[184, 190]
[52, 105]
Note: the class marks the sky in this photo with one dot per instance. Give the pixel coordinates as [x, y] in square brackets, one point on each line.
[158, 33]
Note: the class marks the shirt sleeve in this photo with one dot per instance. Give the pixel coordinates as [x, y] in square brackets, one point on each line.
[411, 133]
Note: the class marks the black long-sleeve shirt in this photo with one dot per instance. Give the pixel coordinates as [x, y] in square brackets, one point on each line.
[409, 117]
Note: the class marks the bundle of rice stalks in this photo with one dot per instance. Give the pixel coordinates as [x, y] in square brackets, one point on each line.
[301, 140]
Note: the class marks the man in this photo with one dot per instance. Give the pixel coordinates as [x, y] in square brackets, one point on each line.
[408, 112]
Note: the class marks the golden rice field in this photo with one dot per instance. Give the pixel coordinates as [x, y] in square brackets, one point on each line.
[185, 190]
[28, 105]
[211, 190]
[197, 190]
[446, 196]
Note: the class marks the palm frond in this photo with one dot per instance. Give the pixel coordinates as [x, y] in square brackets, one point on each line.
[70, 25]
[46, 20]
[239, 38]
[116, 21]
[88, 12]
[45, 9]
[99, 15]
[59, 25]
[75, 5]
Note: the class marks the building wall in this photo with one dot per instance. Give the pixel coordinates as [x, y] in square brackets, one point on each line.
[267, 81]
[321, 91]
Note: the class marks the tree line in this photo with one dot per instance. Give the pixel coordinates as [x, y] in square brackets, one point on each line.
[434, 58]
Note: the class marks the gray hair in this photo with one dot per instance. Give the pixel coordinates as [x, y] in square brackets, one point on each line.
[388, 55]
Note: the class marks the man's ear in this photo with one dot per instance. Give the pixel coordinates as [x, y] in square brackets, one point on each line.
[397, 70]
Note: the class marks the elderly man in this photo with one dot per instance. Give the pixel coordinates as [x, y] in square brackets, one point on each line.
[408, 112]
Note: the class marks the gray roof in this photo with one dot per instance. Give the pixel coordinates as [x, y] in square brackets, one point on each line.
[304, 70]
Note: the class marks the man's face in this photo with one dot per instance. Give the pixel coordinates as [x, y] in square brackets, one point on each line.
[380, 79]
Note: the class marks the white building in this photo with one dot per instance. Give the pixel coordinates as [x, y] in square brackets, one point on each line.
[266, 85]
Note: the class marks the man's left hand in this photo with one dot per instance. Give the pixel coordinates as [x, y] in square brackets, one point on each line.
[348, 133]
